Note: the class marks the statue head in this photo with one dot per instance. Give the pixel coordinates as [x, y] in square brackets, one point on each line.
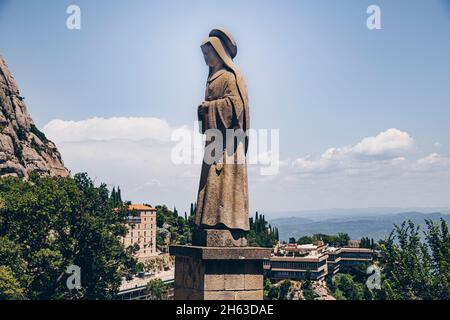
[212, 59]
[219, 48]
[227, 41]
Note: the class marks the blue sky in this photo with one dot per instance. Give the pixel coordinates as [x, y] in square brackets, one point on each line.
[313, 68]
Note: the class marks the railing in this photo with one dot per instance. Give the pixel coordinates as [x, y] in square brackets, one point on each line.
[140, 292]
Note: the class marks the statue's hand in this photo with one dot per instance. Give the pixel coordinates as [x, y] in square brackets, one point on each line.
[203, 108]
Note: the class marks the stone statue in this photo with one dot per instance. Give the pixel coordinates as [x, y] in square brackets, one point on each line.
[219, 265]
[222, 204]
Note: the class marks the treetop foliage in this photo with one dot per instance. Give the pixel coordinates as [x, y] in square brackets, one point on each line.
[48, 224]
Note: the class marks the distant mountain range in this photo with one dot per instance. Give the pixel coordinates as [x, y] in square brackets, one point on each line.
[357, 226]
[322, 214]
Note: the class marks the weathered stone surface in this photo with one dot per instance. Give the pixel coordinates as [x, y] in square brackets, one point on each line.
[221, 253]
[222, 200]
[250, 295]
[220, 266]
[186, 294]
[23, 148]
[235, 281]
[214, 282]
[219, 295]
[219, 238]
[253, 281]
[204, 273]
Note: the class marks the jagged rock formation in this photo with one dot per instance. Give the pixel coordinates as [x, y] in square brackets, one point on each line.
[23, 148]
[319, 290]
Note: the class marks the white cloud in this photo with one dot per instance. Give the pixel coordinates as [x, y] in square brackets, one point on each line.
[384, 149]
[387, 143]
[101, 129]
[375, 172]
[433, 161]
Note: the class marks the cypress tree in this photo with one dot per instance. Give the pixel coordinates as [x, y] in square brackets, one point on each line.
[119, 196]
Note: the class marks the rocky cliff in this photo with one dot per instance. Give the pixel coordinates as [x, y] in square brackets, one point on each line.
[23, 148]
[318, 291]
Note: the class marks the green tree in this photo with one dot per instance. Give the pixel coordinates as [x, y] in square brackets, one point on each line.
[48, 224]
[342, 239]
[284, 290]
[180, 229]
[157, 289]
[306, 286]
[10, 286]
[261, 234]
[305, 240]
[339, 295]
[438, 240]
[270, 291]
[348, 288]
[367, 243]
[116, 197]
[413, 269]
[339, 240]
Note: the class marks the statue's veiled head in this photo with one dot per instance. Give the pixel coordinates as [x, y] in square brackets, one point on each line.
[219, 48]
[210, 55]
[227, 41]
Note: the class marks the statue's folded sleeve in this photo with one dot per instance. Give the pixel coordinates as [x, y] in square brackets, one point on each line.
[225, 109]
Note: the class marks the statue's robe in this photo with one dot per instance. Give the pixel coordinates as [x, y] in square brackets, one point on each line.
[223, 192]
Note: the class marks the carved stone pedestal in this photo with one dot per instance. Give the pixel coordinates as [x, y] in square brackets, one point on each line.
[219, 273]
[219, 238]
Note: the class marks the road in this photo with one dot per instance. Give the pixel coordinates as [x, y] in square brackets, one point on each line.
[140, 282]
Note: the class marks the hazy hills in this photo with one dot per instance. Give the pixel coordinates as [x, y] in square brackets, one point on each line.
[357, 226]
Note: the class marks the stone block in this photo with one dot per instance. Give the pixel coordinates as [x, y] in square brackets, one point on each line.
[219, 238]
[214, 282]
[234, 273]
[219, 295]
[234, 282]
[217, 253]
[253, 281]
[249, 295]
